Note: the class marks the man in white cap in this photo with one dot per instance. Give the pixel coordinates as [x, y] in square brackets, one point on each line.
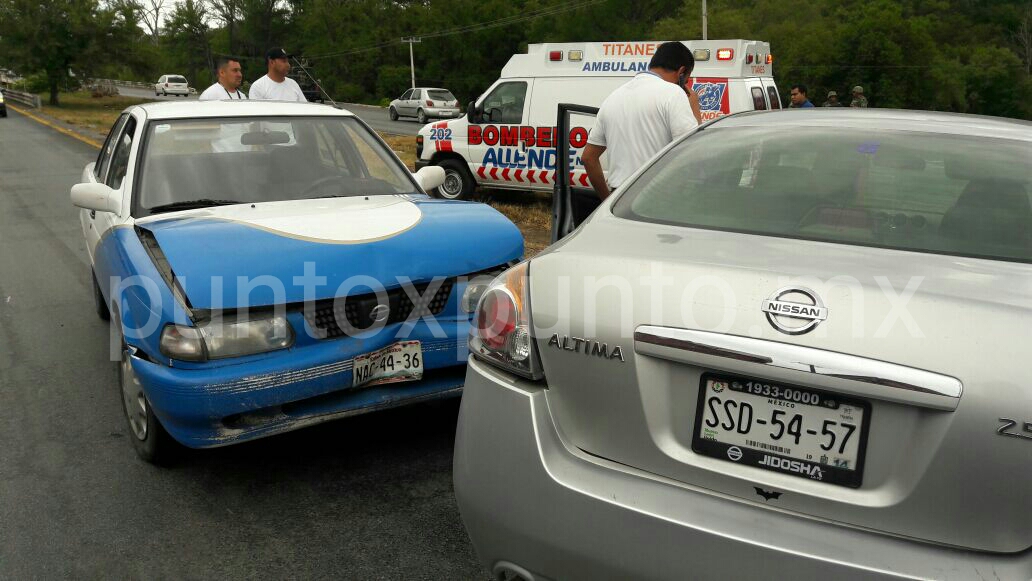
[276, 85]
[858, 97]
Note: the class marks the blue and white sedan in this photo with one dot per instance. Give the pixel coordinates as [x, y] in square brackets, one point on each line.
[268, 266]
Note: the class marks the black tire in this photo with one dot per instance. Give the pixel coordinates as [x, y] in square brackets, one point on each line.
[98, 299]
[458, 182]
[421, 117]
[149, 438]
[393, 113]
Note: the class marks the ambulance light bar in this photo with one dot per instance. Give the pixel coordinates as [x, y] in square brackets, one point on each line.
[555, 55]
[770, 59]
[725, 54]
[575, 55]
[748, 59]
[701, 54]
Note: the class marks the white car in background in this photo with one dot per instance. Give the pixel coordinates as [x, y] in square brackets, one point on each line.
[172, 85]
[424, 103]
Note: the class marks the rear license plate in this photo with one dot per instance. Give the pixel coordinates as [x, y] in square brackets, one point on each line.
[784, 428]
[402, 361]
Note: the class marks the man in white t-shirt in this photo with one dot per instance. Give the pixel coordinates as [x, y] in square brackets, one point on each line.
[642, 117]
[228, 85]
[276, 85]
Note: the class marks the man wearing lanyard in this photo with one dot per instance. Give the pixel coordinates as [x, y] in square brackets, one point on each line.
[642, 117]
[228, 86]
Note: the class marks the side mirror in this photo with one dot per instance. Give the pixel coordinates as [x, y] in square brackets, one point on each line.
[430, 177]
[471, 112]
[99, 197]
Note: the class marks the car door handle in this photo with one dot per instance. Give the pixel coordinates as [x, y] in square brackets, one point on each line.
[831, 370]
[93, 214]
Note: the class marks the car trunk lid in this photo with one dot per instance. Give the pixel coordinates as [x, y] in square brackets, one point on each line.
[905, 334]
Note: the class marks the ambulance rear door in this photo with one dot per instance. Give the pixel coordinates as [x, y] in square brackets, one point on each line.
[773, 98]
[495, 132]
[549, 93]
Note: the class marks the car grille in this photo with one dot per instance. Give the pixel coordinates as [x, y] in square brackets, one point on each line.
[327, 319]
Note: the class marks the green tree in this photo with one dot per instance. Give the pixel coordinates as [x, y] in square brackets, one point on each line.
[56, 37]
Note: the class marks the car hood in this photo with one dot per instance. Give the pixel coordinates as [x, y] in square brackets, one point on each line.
[265, 254]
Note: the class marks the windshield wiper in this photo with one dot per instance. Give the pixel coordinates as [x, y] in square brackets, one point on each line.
[191, 204]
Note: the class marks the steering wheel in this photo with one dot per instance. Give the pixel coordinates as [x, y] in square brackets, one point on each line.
[323, 181]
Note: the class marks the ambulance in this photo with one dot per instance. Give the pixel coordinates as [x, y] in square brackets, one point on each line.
[507, 139]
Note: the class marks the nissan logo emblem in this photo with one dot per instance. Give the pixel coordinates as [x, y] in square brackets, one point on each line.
[380, 313]
[794, 310]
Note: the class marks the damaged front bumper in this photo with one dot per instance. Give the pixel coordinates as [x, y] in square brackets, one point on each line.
[203, 407]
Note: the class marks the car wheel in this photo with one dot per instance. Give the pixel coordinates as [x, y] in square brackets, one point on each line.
[421, 116]
[393, 113]
[458, 183]
[157, 94]
[150, 440]
[98, 299]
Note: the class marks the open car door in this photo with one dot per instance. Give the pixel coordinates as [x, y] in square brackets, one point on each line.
[571, 204]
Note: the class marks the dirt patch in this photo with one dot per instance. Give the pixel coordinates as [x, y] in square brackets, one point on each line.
[92, 115]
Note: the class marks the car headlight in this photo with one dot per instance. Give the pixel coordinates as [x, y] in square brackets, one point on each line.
[1, 97]
[501, 332]
[220, 338]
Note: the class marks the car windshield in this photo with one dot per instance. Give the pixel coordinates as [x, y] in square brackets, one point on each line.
[262, 160]
[175, 79]
[441, 95]
[895, 189]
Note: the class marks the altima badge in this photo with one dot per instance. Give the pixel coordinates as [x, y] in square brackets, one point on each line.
[792, 304]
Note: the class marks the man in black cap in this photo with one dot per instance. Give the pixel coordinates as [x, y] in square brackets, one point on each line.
[276, 85]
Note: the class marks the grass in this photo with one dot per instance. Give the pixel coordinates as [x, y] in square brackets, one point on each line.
[530, 211]
[94, 115]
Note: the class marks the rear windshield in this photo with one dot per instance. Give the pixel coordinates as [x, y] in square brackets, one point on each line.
[175, 79]
[894, 189]
[439, 95]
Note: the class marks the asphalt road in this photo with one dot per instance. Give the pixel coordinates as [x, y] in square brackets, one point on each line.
[378, 119]
[367, 497]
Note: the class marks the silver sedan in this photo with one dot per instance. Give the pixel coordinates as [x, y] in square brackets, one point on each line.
[424, 104]
[791, 347]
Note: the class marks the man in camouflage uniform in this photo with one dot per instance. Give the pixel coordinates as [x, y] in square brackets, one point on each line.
[858, 97]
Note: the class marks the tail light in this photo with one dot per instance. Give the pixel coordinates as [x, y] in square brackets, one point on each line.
[166, 84]
[429, 103]
[501, 331]
[419, 146]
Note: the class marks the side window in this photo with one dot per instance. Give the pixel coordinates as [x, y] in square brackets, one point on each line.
[104, 158]
[759, 103]
[407, 95]
[416, 94]
[120, 158]
[775, 101]
[505, 103]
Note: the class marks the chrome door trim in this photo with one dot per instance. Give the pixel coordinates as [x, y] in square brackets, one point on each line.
[817, 367]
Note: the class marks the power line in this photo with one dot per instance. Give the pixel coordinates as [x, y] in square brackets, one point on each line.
[470, 28]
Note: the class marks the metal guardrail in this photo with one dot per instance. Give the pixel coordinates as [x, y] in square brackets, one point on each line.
[27, 99]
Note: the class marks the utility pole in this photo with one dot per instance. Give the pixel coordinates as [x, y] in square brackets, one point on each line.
[705, 16]
[412, 61]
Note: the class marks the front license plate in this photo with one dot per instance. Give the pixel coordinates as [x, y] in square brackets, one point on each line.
[402, 361]
[784, 428]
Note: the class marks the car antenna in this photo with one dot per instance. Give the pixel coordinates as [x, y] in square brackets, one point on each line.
[318, 85]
